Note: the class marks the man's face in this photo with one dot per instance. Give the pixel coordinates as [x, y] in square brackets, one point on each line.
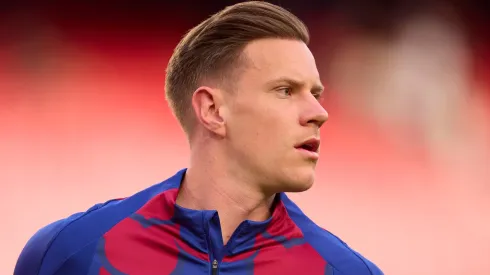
[273, 115]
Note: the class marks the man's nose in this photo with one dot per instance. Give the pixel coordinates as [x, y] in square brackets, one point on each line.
[314, 113]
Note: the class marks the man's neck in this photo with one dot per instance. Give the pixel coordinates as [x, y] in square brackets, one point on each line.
[211, 188]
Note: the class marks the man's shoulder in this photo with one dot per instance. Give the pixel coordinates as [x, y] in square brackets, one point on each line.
[51, 246]
[46, 249]
[340, 257]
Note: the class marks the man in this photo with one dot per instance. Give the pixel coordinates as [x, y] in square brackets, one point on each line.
[245, 88]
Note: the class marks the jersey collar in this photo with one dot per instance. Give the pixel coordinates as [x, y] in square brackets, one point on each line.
[203, 226]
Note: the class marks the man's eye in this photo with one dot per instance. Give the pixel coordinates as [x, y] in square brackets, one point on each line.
[286, 91]
[318, 96]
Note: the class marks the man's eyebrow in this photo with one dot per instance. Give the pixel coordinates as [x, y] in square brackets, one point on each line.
[317, 87]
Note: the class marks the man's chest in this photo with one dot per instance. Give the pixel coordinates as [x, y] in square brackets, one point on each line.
[166, 250]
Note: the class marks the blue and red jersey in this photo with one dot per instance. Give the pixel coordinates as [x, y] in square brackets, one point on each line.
[148, 233]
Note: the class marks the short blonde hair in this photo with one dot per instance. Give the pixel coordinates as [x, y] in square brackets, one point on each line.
[213, 48]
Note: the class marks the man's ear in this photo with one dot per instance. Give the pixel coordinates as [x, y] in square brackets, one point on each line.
[206, 103]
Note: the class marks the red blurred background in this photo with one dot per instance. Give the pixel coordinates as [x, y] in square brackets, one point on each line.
[403, 176]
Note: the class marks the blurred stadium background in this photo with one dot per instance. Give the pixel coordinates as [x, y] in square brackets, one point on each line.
[403, 176]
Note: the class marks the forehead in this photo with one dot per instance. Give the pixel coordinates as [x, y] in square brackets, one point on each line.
[278, 58]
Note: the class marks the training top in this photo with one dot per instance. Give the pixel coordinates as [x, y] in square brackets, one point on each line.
[149, 234]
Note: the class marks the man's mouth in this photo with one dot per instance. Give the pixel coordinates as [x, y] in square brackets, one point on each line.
[311, 145]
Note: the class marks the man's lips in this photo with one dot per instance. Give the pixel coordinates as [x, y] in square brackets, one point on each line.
[309, 148]
[311, 145]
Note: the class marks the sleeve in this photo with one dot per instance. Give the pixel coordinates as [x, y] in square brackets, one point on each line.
[375, 270]
[31, 259]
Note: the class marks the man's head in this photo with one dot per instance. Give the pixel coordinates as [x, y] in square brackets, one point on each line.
[245, 80]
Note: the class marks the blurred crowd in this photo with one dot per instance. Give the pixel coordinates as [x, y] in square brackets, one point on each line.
[406, 153]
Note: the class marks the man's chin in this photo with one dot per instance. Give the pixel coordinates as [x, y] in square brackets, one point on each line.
[300, 183]
[300, 187]
[291, 181]
[289, 186]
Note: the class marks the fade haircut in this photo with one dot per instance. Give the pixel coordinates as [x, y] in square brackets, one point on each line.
[213, 49]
